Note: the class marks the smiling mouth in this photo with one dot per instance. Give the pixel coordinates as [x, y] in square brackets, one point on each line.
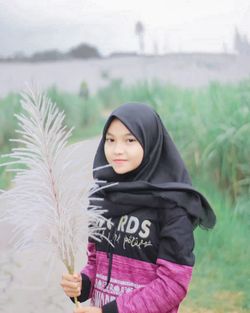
[119, 161]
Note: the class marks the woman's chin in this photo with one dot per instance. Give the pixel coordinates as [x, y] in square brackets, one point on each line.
[120, 171]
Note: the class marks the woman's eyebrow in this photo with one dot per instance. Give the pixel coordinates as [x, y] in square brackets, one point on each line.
[127, 134]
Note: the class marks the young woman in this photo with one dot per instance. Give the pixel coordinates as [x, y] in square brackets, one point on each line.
[151, 214]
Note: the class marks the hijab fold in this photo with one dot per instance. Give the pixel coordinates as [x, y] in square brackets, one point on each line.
[160, 181]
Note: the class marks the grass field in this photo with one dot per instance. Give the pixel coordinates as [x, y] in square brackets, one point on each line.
[221, 277]
[211, 128]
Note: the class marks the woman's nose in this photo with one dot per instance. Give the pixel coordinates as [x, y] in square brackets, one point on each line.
[118, 148]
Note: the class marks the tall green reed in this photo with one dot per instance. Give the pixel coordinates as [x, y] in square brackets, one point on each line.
[222, 257]
[210, 125]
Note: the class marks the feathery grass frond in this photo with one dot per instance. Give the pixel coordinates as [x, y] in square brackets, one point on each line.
[48, 204]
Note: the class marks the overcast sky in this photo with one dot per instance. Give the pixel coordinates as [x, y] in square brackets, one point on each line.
[176, 25]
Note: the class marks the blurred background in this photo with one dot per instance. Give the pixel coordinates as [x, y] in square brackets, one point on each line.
[188, 59]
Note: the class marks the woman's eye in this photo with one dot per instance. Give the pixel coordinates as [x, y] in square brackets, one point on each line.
[109, 139]
[131, 139]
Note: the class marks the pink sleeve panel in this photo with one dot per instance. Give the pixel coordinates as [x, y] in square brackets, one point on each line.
[164, 294]
[90, 268]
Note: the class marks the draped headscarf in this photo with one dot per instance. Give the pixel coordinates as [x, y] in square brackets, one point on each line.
[160, 181]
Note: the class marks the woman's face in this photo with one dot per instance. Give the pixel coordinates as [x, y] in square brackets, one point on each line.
[122, 150]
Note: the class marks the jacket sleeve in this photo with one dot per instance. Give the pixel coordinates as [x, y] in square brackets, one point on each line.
[174, 270]
[88, 274]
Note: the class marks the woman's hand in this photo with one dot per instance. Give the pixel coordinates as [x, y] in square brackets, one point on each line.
[87, 309]
[72, 284]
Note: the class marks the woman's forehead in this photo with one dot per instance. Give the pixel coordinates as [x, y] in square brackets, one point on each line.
[117, 126]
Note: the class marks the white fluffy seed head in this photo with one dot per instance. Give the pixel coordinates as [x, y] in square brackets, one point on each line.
[50, 196]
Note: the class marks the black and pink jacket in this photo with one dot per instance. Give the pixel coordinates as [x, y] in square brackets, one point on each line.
[149, 266]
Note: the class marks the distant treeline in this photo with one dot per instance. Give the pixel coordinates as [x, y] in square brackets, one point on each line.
[241, 45]
[82, 51]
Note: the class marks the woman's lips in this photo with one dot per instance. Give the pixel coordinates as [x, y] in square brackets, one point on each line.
[119, 161]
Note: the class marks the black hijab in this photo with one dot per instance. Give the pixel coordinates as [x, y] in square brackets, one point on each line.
[160, 181]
